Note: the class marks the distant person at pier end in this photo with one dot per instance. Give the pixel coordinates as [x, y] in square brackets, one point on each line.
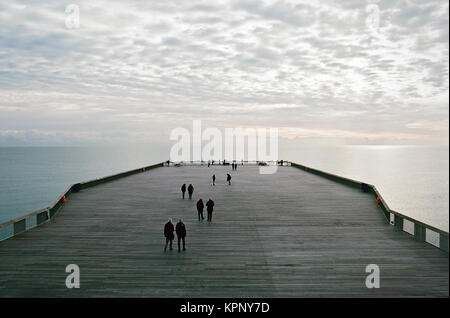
[181, 234]
[229, 179]
[200, 207]
[214, 179]
[209, 209]
[168, 234]
[183, 189]
[190, 190]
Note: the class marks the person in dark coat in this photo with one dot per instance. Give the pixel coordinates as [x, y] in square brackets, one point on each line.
[210, 208]
[181, 234]
[229, 178]
[168, 234]
[190, 190]
[183, 189]
[214, 179]
[200, 207]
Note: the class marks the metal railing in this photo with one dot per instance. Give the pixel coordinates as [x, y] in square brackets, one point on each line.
[34, 219]
[421, 231]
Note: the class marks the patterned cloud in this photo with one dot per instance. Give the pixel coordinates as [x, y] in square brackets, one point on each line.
[350, 70]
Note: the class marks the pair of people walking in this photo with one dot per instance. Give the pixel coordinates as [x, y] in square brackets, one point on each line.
[234, 166]
[228, 179]
[209, 209]
[190, 190]
[180, 229]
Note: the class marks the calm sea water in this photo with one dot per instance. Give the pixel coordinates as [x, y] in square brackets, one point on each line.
[414, 180]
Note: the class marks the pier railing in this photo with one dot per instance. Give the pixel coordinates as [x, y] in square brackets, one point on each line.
[421, 231]
[34, 219]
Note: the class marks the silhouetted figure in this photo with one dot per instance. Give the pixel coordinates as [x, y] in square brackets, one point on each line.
[168, 234]
[181, 234]
[209, 163]
[229, 178]
[200, 207]
[190, 190]
[214, 179]
[235, 167]
[209, 209]
[183, 189]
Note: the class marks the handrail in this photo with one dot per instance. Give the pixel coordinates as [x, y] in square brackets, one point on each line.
[23, 217]
[420, 228]
[43, 215]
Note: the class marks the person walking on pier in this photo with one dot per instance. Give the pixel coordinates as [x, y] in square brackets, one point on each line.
[183, 189]
[200, 207]
[214, 179]
[190, 190]
[168, 234]
[229, 178]
[181, 234]
[209, 209]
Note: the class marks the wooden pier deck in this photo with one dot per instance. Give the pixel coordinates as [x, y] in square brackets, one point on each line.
[290, 234]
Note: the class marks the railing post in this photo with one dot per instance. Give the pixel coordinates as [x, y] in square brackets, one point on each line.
[42, 217]
[443, 242]
[19, 226]
[419, 232]
[398, 222]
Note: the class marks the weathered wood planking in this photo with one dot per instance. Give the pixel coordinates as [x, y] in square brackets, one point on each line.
[291, 234]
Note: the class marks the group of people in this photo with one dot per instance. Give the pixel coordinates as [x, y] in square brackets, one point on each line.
[190, 190]
[214, 179]
[224, 162]
[180, 228]
[209, 209]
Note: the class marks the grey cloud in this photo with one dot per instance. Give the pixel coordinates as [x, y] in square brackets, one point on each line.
[153, 65]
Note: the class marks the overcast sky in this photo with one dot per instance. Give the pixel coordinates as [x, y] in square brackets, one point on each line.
[132, 71]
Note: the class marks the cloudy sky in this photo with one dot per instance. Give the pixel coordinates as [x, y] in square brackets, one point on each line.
[350, 71]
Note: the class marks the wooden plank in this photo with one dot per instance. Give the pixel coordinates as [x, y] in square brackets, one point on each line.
[291, 234]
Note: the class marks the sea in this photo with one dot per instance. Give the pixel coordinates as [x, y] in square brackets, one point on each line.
[414, 180]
